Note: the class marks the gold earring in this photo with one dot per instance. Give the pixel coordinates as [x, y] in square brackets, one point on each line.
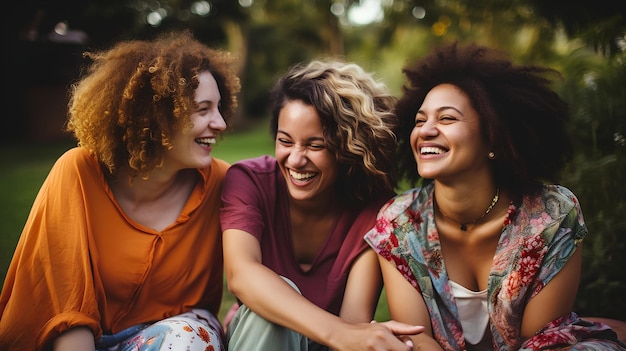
[491, 155]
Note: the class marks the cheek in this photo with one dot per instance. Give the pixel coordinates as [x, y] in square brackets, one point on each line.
[280, 153]
[326, 162]
[472, 139]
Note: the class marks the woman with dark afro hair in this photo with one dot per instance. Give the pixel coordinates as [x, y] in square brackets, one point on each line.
[486, 252]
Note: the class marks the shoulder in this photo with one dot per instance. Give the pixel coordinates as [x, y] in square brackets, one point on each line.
[261, 166]
[76, 167]
[75, 155]
[219, 166]
[556, 200]
[75, 160]
[405, 208]
[560, 191]
[553, 212]
[563, 205]
[254, 175]
[398, 205]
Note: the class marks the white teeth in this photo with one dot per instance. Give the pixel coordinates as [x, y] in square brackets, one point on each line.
[300, 176]
[205, 140]
[431, 150]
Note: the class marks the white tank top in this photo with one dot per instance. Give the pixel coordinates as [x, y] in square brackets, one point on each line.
[472, 307]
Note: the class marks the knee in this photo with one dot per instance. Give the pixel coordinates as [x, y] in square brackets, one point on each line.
[181, 333]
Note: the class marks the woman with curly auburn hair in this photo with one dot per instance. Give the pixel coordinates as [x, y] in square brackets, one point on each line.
[122, 248]
[294, 254]
[486, 252]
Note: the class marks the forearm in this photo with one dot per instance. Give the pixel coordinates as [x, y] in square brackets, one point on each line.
[425, 342]
[271, 297]
[79, 338]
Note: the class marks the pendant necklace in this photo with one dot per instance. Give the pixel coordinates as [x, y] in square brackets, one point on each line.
[463, 226]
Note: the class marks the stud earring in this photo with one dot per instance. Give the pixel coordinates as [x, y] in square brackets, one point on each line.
[491, 155]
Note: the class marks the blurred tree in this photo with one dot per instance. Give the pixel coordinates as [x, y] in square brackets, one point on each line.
[600, 23]
[596, 92]
[284, 32]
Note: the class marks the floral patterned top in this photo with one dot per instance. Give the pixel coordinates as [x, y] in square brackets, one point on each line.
[539, 236]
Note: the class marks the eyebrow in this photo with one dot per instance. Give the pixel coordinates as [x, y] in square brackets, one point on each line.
[443, 108]
[316, 138]
[204, 102]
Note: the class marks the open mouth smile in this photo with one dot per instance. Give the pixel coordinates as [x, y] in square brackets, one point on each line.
[431, 150]
[302, 177]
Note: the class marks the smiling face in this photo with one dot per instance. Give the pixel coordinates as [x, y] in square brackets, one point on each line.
[310, 170]
[192, 147]
[446, 140]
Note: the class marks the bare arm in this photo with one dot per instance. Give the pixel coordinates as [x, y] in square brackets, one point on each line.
[555, 299]
[362, 289]
[406, 305]
[268, 295]
[79, 338]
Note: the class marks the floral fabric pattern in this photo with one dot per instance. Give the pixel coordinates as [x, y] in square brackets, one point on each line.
[539, 236]
[197, 330]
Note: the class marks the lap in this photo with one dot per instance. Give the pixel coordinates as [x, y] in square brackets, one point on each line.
[251, 332]
[248, 331]
[194, 330]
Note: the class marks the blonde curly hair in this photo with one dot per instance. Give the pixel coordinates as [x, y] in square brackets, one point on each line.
[133, 97]
[358, 120]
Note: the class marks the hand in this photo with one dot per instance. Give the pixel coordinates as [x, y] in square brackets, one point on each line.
[403, 331]
[77, 338]
[386, 336]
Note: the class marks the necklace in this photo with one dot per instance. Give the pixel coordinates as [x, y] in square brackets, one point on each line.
[463, 226]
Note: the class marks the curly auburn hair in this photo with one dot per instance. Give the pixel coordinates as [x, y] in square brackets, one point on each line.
[522, 119]
[134, 96]
[357, 119]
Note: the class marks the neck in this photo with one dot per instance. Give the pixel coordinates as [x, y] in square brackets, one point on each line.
[157, 186]
[463, 224]
[314, 208]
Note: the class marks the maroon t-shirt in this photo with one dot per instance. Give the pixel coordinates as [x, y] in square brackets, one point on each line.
[256, 201]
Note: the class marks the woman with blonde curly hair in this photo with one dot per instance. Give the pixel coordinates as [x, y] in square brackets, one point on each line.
[293, 224]
[122, 248]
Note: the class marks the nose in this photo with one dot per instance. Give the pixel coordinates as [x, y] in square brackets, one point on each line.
[297, 156]
[217, 122]
[428, 129]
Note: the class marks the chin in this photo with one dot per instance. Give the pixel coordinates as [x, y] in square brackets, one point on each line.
[204, 163]
[300, 195]
[427, 174]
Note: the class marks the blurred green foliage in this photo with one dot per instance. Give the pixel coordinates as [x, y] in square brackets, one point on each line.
[596, 91]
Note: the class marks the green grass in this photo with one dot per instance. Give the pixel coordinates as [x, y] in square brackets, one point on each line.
[235, 146]
[24, 168]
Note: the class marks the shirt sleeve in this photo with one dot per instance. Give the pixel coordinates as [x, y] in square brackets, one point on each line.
[570, 230]
[249, 188]
[49, 288]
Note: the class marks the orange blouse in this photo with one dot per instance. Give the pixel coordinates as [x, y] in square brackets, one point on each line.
[81, 261]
